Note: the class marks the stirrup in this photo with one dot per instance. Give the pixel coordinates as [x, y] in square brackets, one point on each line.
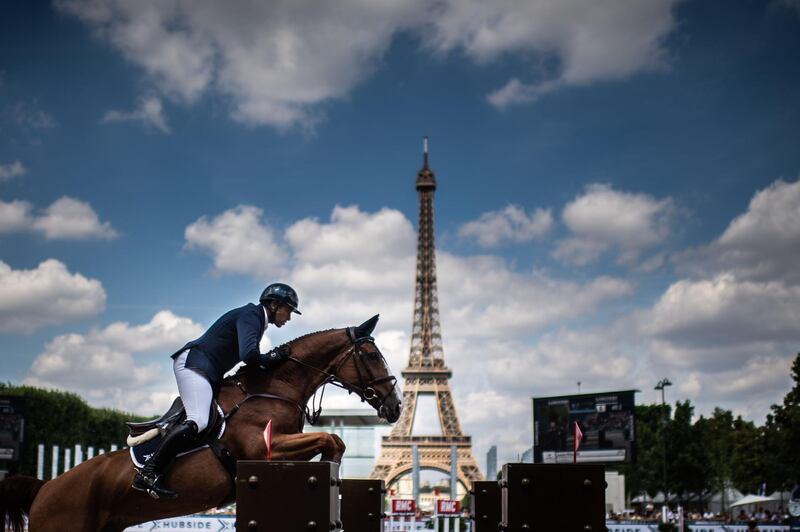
[152, 486]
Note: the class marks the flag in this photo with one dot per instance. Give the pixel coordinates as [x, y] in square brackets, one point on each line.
[576, 442]
[268, 438]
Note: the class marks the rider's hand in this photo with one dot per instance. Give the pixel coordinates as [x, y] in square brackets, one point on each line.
[274, 357]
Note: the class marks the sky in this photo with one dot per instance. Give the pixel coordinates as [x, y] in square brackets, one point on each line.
[618, 198]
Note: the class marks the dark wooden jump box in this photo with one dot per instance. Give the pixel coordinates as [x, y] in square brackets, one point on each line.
[542, 497]
[305, 497]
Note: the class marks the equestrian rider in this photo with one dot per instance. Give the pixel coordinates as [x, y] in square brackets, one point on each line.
[200, 365]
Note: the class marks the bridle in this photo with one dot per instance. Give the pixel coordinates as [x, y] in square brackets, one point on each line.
[367, 381]
[365, 388]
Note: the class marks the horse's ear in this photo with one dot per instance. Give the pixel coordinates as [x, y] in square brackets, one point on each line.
[366, 328]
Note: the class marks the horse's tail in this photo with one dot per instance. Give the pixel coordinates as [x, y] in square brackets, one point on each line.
[16, 496]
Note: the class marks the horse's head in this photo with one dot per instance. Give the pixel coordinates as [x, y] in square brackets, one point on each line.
[362, 369]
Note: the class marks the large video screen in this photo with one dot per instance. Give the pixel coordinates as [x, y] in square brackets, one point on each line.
[605, 419]
[12, 426]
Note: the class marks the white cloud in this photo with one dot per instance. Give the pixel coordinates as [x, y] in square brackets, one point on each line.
[762, 244]
[239, 243]
[65, 218]
[101, 365]
[277, 62]
[46, 295]
[599, 41]
[602, 219]
[509, 224]
[15, 216]
[352, 233]
[70, 218]
[149, 113]
[274, 61]
[11, 170]
[485, 297]
[724, 311]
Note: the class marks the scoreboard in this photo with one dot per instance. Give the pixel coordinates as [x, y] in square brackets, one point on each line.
[605, 419]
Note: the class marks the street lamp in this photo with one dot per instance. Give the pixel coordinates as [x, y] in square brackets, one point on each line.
[660, 385]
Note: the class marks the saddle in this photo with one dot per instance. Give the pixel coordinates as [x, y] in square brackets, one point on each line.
[144, 437]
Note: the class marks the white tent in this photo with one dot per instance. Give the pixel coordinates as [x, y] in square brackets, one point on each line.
[752, 499]
[720, 501]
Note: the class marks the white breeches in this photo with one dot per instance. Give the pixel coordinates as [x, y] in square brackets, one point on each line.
[195, 391]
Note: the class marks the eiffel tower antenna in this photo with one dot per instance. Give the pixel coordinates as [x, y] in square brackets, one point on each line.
[426, 372]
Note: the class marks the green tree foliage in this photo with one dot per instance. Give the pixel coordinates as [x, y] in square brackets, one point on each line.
[645, 474]
[782, 436]
[688, 470]
[706, 455]
[64, 419]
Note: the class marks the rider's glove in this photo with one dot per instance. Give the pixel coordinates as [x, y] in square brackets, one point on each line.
[274, 357]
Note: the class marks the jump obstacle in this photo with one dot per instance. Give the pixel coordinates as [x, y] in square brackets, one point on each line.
[310, 496]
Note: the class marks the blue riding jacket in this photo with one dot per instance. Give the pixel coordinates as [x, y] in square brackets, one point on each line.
[233, 338]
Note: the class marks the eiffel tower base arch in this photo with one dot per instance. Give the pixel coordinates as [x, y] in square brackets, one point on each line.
[396, 461]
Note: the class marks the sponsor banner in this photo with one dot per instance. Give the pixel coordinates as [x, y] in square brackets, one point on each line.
[227, 523]
[404, 506]
[696, 526]
[209, 523]
[446, 506]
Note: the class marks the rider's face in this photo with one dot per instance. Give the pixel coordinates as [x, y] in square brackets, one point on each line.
[283, 314]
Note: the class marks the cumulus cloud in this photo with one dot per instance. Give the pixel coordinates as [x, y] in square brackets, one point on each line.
[359, 261]
[239, 242]
[102, 365]
[762, 244]
[729, 332]
[511, 224]
[596, 42]
[276, 63]
[15, 216]
[149, 113]
[602, 219]
[11, 170]
[70, 218]
[724, 311]
[46, 295]
[65, 218]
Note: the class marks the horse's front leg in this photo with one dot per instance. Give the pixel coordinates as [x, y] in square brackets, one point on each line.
[305, 446]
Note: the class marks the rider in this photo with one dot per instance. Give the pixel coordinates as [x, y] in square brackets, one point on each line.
[200, 365]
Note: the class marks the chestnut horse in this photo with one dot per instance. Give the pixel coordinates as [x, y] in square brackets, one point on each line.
[97, 494]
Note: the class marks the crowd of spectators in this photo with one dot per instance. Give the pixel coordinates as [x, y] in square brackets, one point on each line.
[740, 515]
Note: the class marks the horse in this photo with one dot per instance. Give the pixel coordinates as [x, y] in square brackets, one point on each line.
[97, 494]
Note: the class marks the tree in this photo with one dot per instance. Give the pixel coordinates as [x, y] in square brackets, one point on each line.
[782, 436]
[644, 474]
[62, 418]
[688, 471]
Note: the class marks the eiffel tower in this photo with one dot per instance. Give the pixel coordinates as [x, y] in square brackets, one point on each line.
[426, 372]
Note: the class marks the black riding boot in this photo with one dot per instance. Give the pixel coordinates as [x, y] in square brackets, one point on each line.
[151, 477]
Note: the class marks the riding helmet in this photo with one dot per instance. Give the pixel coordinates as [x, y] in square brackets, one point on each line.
[282, 293]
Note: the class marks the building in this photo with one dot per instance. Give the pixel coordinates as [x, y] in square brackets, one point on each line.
[360, 429]
[491, 463]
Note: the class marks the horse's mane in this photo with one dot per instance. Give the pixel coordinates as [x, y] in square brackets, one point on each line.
[245, 369]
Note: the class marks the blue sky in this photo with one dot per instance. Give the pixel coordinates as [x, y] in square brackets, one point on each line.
[617, 200]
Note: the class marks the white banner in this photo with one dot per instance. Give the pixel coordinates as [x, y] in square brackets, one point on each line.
[223, 523]
[210, 523]
[696, 526]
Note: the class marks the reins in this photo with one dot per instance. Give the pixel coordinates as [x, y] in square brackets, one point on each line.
[312, 415]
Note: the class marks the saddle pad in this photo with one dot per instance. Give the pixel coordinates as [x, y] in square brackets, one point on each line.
[142, 452]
